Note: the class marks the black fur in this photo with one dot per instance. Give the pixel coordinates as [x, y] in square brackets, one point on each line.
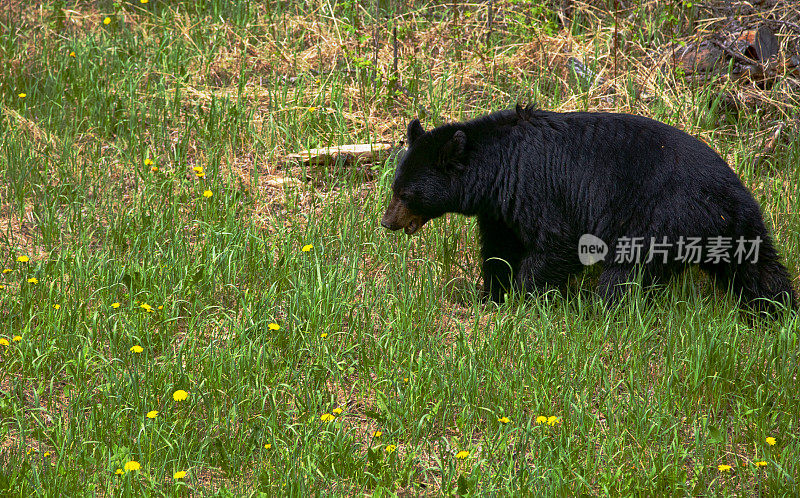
[539, 180]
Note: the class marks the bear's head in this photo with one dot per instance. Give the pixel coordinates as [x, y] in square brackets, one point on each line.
[427, 179]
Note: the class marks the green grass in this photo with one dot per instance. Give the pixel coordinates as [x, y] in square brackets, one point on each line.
[650, 398]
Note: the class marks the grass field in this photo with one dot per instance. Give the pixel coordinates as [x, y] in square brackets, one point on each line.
[156, 241]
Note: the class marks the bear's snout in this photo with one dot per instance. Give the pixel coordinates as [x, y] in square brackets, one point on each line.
[398, 216]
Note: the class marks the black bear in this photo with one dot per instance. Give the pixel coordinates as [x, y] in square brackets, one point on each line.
[556, 191]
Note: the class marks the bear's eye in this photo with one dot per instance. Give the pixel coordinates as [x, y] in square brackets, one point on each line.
[405, 196]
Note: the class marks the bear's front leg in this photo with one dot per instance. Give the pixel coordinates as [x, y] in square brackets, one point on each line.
[501, 251]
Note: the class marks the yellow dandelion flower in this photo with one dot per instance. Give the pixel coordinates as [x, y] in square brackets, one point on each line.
[274, 326]
[504, 420]
[327, 417]
[143, 2]
[406, 380]
[119, 472]
[312, 109]
[761, 463]
[161, 307]
[267, 446]
[148, 162]
[324, 335]
[136, 349]
[724, 468]
[461, 455]
[7, 270]
[146, 307]
[337, 411]
[201, 175]
[771, 441]
[16, 338]
[107, 21]
[308, 247]
[152, 414]
[377, 434]
[4, 341]
[553, 420]
[154, 169]
[181, 473]
[180, 395]
[132, 465]
[391, 448]
[56, 306]
[115, 305]
[22, 95]
[21, 259]
[198, 169]
[541, 419]
[33, 280]
[2, 287]
[46, 454]
[208, 194]
[72, 54]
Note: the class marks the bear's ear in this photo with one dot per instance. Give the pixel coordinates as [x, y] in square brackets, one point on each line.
[453, 149]
[414, 131]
